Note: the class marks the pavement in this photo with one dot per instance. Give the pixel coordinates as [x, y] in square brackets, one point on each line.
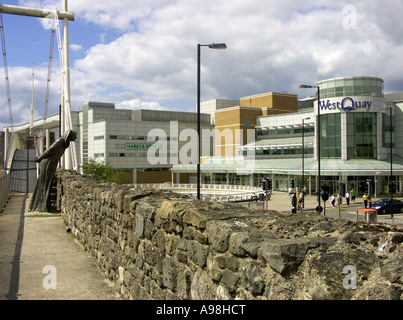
[280, 201]
[40, 260]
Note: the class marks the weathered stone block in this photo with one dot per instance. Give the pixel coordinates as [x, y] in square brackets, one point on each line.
[194, 218]
[139, 225]
[285, 255]
[323, 272]
[393, 270]
[197, 253]
[252, 277]
[227, 261]
[169, 273]
[219, 233]
[202, 287]
[229, 279]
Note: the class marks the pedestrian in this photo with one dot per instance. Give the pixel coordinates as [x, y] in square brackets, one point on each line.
[332, 200]
[352, 193]
[303, 196]
[340, 199]
[365, 198]
[348, 198]
[289, 192]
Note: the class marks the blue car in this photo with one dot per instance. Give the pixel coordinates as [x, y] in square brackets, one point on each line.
[385, 206]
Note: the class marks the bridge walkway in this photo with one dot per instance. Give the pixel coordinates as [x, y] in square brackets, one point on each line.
[40, 261]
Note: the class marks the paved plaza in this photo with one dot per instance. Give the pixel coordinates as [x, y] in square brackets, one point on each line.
[280, 201]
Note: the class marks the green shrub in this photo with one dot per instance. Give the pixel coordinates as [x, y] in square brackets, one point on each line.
[101, 170]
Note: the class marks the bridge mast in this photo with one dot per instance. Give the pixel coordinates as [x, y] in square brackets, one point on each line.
[66, 17]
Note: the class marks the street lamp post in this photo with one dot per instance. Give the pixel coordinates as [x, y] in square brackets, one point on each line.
[303, 156]
[218, 46]
[391, 185]
[304, 86]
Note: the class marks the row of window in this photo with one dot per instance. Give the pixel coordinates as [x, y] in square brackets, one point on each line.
[281, 132]
[351, 87]
[361, 137]
[130, 155]
[276, 152]
[141, 138]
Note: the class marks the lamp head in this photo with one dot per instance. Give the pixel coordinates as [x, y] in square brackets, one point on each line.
[218, 46]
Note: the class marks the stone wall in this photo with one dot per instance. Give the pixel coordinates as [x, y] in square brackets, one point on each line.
[154, 244]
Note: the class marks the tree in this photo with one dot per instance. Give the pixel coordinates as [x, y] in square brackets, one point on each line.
[101, 170]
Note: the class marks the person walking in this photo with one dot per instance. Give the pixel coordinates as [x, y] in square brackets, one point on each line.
[352, 193]
[332, 200]
[365, 198]
[348, 198]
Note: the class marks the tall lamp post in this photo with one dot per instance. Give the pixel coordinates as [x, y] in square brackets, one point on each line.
[392, 187]
[305, 86]
[303, 158]
[218, 46]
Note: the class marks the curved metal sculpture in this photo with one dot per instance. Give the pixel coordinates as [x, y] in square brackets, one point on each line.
[48, 162]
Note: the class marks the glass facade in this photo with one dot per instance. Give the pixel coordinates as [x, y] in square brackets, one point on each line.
[361, 135]
[354, 86]
[330, 136]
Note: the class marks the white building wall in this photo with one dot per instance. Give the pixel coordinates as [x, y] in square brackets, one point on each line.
[398, 125]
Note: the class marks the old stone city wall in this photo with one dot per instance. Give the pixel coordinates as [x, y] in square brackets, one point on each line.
[155, 244]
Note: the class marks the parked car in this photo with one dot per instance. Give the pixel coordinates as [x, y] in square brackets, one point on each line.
[385, 206]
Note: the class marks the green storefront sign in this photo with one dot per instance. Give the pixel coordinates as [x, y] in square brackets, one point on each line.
[142, 146]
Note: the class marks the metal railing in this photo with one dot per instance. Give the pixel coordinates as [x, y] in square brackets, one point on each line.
[4, 188]
[194, 186]
[247, 193]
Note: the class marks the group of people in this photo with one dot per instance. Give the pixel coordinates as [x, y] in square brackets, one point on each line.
[299, 194]
[350, 195]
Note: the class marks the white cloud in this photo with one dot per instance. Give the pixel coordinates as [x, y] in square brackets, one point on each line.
[135, 104]
[272, 46]
[76, 47]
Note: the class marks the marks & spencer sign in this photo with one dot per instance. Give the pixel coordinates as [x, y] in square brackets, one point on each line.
[142, 146]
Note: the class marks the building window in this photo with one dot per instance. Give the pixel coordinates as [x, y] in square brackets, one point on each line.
[330, 136]
[116, 155]
[360, 86]
[99, 138]
[361, 135]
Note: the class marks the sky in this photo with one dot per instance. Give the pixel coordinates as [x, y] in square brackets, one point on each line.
[143, 53]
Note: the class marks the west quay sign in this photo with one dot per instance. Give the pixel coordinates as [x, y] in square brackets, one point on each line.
[346, 104]
[350, 104]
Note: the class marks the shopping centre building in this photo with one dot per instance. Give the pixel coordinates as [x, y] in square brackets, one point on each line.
[142, 144]
[356, 141]
[272, 135]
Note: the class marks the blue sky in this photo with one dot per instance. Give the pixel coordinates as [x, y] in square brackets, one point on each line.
[142, 54]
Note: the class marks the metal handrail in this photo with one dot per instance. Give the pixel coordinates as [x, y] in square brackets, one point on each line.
[4, 188]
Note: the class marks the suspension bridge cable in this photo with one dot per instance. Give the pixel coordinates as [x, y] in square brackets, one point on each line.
[3, 45]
